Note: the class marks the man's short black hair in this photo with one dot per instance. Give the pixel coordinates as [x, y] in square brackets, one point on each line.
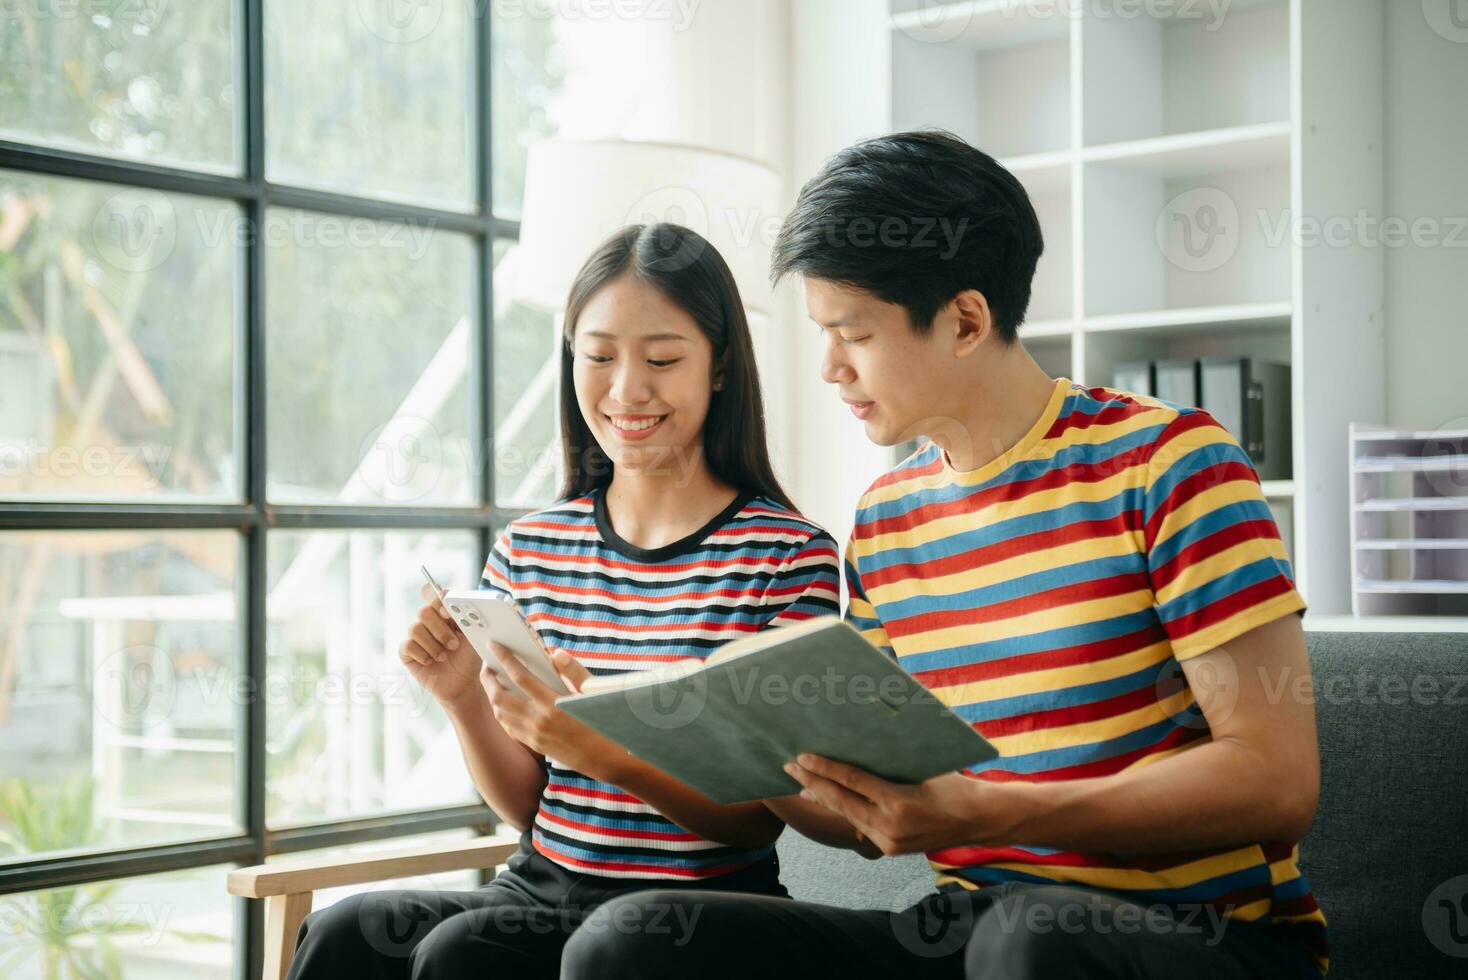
[915, 218]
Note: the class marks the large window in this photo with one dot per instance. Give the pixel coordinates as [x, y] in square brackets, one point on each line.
[260, 359]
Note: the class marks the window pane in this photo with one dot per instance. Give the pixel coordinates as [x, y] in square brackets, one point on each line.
[350, 733]
[526, 79]
[144, 79]
[372, 98]
[118, 313]
[369, 330]
[527, 454]
[179, 924]
[120, 727]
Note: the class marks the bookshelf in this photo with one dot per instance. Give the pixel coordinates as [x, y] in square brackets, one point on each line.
[1409, 521]
[1172, 155]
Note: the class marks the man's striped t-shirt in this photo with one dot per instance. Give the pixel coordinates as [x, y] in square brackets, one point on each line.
[1049, 597]
[616, 607]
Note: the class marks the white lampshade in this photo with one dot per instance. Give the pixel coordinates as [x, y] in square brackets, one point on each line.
[577, 193]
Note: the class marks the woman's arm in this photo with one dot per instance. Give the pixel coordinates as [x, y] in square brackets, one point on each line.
[506, 773]
[535, 721]
[746, 825]
[821, 825]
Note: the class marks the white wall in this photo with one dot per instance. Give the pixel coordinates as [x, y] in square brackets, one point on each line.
[784, 82]
[1426, 177]
[705, 73]
[842, 89]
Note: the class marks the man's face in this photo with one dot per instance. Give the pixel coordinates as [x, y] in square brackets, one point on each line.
[894, 381]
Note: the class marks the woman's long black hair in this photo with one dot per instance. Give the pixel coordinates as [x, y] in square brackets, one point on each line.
[684, 267]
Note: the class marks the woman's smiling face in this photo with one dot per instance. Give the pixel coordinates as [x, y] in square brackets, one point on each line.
[644, 377]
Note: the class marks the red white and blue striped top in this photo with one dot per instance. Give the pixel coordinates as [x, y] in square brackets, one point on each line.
[616, 607]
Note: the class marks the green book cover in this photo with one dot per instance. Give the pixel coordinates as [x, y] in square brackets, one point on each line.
[727, 725]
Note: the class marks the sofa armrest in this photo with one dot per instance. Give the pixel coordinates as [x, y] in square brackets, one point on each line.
[287, 887]
[314, 874]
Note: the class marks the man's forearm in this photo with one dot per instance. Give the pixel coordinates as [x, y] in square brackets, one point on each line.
[1221, 794]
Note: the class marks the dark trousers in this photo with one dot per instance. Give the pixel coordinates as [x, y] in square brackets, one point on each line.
[1008, 931]
[514, 927]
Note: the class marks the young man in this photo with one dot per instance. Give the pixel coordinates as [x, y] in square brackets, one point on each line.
[1092, 578]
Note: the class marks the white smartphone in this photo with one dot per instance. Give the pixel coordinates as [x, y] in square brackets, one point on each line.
[493, 616]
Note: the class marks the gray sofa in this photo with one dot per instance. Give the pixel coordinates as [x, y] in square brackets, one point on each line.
[1388, 855]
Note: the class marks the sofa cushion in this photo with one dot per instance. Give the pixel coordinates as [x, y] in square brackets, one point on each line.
[816, 873]
[1392, 826]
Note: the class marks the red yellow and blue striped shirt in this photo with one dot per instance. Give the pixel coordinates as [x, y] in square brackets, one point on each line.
[616, 607]
[1049, 597]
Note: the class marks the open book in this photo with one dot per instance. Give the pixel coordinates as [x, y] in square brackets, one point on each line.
[727, 725]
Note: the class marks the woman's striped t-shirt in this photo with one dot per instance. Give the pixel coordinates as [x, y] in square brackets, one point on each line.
[1049, 597]
[616, 607]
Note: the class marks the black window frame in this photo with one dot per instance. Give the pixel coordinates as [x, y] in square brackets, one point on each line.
[255, 517]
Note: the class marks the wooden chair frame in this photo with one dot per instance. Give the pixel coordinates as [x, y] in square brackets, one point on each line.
[288, 887]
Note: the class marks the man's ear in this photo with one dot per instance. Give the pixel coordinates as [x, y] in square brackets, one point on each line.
[974, 321]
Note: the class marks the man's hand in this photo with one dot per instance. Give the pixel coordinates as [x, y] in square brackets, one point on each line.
[1256, 778]
[941, 812]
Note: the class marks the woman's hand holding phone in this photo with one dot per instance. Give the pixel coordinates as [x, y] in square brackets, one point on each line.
[443, 660]
[439, 656]
[536, 722]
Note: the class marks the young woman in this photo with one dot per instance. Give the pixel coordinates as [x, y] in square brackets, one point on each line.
[672, 537]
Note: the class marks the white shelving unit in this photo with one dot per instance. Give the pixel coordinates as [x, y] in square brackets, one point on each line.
[1409, 521]
[1168, 157]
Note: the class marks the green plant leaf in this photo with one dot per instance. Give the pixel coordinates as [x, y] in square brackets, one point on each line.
[111, 962]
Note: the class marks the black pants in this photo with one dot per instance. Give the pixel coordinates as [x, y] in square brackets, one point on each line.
[514, 927]
[1009, 931]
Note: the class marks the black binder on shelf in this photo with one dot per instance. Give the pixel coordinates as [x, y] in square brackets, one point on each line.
[1177, 382]
[1251, 399]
